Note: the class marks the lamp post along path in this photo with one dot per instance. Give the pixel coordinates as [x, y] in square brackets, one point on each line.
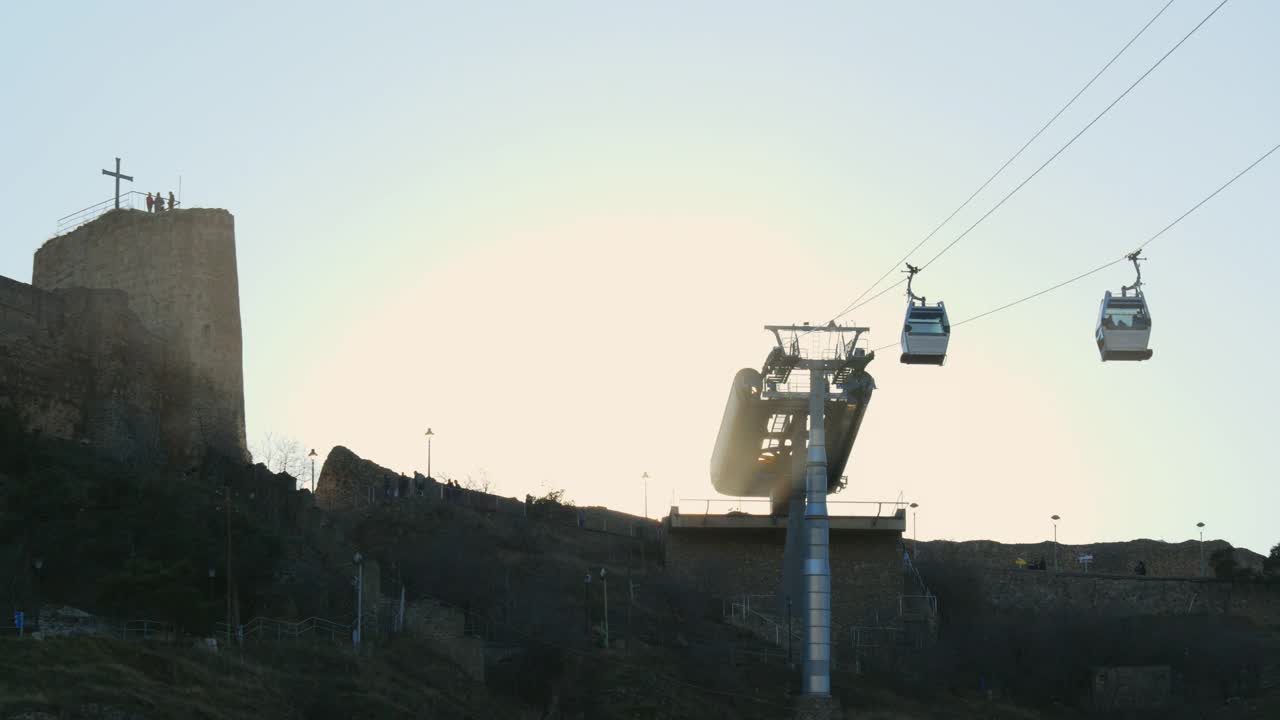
[645, 477]
[359, 563]
[1202, 568]
[604, 588]
[915, 527]
[1055, 520]
[429, 435]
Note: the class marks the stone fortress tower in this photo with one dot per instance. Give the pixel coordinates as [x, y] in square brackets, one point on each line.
[177, 270]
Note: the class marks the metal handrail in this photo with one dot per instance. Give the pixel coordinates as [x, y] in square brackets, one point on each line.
[145, 629]
[893, 505]
[131, 200]
[911, 567]
[263, 627]
[142, 629]
[128, 200]
[930, 599]
[743, 610]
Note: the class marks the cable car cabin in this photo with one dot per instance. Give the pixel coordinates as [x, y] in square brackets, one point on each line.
[925, 334]
[1124, 328]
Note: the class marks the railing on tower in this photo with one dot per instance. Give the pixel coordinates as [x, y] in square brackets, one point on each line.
[132, 200]
[836, 508]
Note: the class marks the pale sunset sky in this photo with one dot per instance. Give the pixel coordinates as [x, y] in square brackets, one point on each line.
[553, 232]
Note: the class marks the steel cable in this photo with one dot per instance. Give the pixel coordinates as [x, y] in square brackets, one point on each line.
[853, 305]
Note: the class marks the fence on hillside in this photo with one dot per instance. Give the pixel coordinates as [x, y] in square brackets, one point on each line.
[269, 629]
[129, 630]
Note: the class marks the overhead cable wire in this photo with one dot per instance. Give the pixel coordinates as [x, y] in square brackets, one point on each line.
[1211, 195]
[1060, 150]
[1008, 162]
[1075, 137]
[1124, 257]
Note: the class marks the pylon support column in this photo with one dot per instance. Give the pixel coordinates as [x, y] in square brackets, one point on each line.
[816, 677]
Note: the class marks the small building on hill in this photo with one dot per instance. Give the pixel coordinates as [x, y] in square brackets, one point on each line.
[739, 556]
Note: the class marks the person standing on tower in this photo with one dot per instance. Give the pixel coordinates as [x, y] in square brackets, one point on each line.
[159, 203]
[151, 203]
[171, 200]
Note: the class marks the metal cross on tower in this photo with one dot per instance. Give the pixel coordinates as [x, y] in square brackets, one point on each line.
[118, 178]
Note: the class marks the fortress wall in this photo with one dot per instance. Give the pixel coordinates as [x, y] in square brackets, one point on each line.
[178, 271]
[22, 307]
[348, 482]
[444, 628]
[1047, 593]
[45, 388]
[78, 365]
[1162, 559]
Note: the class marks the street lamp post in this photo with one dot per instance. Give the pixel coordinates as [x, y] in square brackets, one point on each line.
[645, 477]
[586, 601]
[915, 527]
[359, 561]
[429, 435]
[604, 581]
[38, 563]
[312, 455]
[1201, 526]
[1055, 520]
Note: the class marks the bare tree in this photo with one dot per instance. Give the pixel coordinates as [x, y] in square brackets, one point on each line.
[282, 454]
[479, 481]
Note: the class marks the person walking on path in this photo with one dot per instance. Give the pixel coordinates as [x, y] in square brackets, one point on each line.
[151, 203]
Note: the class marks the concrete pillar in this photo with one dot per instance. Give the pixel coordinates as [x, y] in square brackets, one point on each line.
[816, 675]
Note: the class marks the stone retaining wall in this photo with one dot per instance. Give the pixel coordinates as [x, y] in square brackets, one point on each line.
[866, 567]
[1162, 559]
[443, 627]
[1041, 592]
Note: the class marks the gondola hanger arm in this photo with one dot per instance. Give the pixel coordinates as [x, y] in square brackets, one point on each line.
[911, 273]
[1136, 287]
